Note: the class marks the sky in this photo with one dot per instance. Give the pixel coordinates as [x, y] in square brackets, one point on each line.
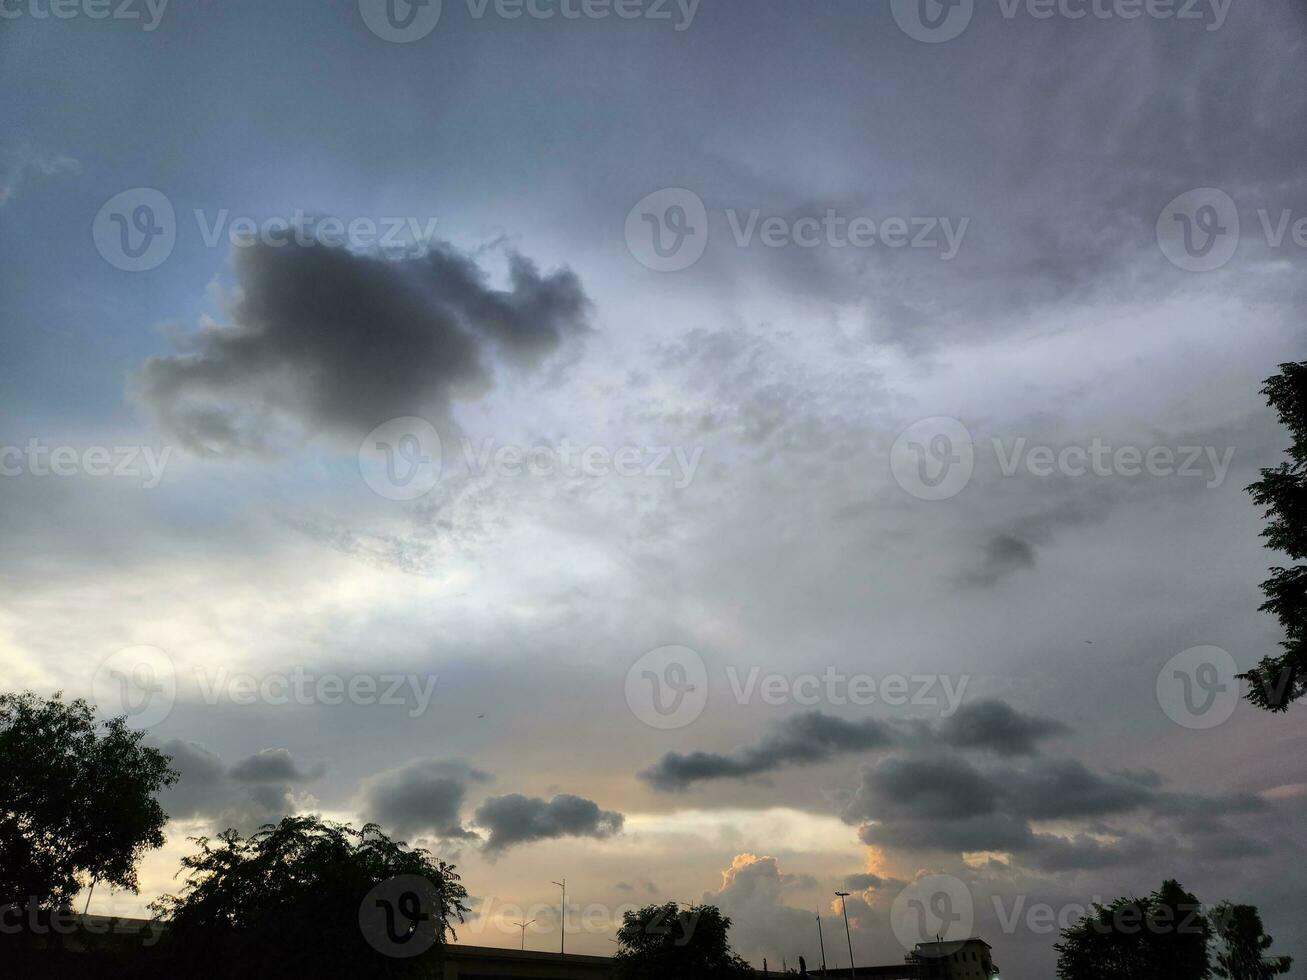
[725, 451]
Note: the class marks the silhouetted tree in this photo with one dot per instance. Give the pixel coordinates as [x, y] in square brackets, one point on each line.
[1277, 682]
[77, 800]
[297, 898]
[1161, 937]
[661, 941]
[1239, 927]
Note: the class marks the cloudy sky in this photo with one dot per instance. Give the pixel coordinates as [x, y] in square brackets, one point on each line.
[729, 451]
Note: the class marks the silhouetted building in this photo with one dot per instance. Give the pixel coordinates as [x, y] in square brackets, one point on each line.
[964, 959]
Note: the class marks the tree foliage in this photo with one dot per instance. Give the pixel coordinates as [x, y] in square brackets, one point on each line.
[1161, 937]
[1244, 943]
[287, 900]
[661, 941]
[77, 800]
[1278, 681]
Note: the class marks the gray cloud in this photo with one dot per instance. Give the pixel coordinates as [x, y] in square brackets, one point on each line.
[518, 819]
[423, 797]
[322, 338]
[866, 882]
[1002, 555]
[755, 894]
[255, 791]
[18, 161]
[815, 737]
[806, 738]
[944, 802]
[200, 788]
[272, 765]
[999, 727]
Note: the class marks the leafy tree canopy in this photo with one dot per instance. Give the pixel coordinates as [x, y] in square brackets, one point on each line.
[1239, 927]
[77, 800]
[1278, 681]
[1161, 937]
[660, 941]
[300, 898]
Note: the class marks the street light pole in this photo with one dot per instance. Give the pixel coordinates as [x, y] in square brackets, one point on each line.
[522, 926]
[562, 923]
[853, 971]
[822, 940]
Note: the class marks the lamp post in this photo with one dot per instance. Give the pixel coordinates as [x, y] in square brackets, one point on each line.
[522, 926]
[821, 939]
[853, 972]
[562, 922]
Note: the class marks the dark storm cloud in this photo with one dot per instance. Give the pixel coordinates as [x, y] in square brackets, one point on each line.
[270, 766]
[254, 791]
[1054, 788]
[938, 802]
[807, 738]
[998, 726]
[321, 338]
[1002, 555]
[518, 819]
[200, 787]
[423, 797]
[813, 737]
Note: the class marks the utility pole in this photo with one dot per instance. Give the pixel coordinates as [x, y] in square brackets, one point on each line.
[562, 924]
[522, 926]
[822, 940]
[853, 971]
